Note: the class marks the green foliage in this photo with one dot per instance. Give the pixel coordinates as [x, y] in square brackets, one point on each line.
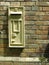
[42, 59]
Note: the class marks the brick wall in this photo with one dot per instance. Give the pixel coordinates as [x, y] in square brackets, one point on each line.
[36, 30]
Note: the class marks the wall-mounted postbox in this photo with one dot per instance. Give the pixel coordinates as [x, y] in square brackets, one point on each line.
[16, 26]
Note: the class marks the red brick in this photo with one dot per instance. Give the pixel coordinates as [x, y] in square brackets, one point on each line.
[1, 27]
[30, 18]
[41, 32]
[1, 51]
[7, 63]
[42, 41]
[15, 4]
[30, 50]
[3, 45]
[27, 8]
[1, 63]
[36, 13]
[43, 27]
[42, 23]
[3, 18]
[40, 13]
[23, 54]
[43, 37]
[44, 17]
[45, 8]
[27, 3]
[42, 3]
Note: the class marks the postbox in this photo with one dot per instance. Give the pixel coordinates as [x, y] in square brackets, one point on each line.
[16, 27]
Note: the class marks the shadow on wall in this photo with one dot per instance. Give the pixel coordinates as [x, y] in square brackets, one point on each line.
[46, 53]
[11, 52]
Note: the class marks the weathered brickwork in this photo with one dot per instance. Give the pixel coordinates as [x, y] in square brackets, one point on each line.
[36, 30]
[36, 27]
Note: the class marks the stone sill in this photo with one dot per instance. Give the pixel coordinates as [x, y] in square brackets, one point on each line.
[20, 59]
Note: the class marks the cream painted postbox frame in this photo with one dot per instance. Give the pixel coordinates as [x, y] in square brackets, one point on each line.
[16, 27]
